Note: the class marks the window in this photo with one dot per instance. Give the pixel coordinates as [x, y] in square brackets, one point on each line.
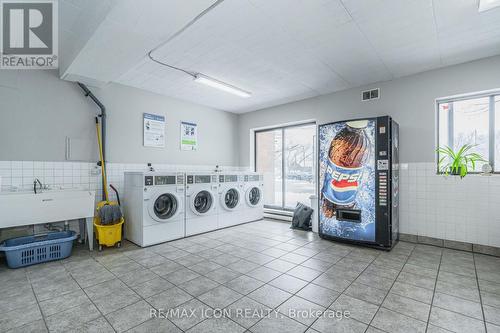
[472, 120]
[285, 156]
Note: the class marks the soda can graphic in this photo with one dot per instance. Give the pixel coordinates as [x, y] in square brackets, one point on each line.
[341, 184]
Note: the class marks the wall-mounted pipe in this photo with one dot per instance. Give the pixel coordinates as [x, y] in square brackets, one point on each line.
[101, 106]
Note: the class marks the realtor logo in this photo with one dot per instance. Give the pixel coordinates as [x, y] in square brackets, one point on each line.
[29, 34]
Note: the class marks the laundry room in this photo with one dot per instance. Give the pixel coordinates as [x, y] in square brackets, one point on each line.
[250, 166]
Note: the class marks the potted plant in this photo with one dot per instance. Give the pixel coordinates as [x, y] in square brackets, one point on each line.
[458, 163]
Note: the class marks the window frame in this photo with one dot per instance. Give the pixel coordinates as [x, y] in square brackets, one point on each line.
[283, 167]
[491, 95]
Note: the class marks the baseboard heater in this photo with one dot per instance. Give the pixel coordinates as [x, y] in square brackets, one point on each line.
[278, 214]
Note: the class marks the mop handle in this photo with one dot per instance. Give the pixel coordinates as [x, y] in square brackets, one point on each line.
[103, 168]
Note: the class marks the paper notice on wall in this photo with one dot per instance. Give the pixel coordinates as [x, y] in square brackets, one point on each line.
[154, 130]
[189, 136]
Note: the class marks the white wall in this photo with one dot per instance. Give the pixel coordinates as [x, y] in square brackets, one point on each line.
[410, 101]
[38, 111]
[460, 210]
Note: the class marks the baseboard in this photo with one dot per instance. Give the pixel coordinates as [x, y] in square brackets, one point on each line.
[449, 244]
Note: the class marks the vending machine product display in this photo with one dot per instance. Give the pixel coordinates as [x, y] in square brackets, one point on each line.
[358, 179]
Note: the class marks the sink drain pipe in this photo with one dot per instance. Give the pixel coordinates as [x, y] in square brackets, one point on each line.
[101, 106]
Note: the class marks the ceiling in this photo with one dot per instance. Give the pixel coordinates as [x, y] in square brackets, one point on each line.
[280, 50]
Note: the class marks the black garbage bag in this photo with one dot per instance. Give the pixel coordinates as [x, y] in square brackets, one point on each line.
[302, 217]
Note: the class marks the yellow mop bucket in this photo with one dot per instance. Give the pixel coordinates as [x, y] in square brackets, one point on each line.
[111, 234]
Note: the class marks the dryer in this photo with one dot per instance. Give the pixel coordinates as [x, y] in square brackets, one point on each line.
[201, 202]
[154, 206]
[230, 198]
[253, 189]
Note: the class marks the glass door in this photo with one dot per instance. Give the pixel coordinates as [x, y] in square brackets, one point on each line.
[285, 156]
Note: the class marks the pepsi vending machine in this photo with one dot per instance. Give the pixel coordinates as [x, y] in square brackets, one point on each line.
[358, 179]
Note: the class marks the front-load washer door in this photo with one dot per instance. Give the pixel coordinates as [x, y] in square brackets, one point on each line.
[202, 202]
[253, 196]
[230, 198]
[164, 207]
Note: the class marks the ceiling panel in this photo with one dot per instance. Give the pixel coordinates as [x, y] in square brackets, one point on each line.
[280, 50]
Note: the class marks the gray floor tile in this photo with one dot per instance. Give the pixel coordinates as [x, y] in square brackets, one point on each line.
[288, 283]
[220, 297]
[491, 314]
[316, 264]
[427, 272]
[72, 318]
[332, 282]
[166, 268]
[280, 265]
[459, 305]
[304, 273]
[243, 266]
[492, 328]
[137, 277]
[278, 324]
[220, 325]
[130, 316]
[391, 321]
[116, 301]
[264, 274]
[22, 300]
[99, 325]
[269, 296]
[334, 325]
[366, 293]
[455, 322]
[152, 287]
[417, 280]
[301, 310]
[37, 326]
[16, 318]
[222, 275]
[457, 290]
[491, 299]
[155, 325]
[358, 309]
[189, 314]
[408, 306]
[198, 286]
[169, 298]
[414, 292]
[244, 284]
[205, 267]
[180, 276]
[64, 302]
[371, 279]
[247, 312]
[105, 288]
[489, 286]
[319, 295]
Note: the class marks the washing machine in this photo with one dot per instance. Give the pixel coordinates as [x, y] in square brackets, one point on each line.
[154, 207]
[231, 197]
[253, 189]
[201, 202]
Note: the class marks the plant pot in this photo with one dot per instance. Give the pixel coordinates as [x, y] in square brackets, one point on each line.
[455, 171]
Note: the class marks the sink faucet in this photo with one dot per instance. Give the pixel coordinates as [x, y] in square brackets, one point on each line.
[34, 184]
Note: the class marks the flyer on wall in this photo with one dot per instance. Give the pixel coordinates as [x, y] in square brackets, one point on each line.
[154, 130]
[189, 136]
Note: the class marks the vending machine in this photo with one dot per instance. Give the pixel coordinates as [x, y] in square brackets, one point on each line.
[359, 181]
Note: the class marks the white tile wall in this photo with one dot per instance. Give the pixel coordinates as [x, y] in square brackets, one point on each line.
[19, 175]
[466, 210]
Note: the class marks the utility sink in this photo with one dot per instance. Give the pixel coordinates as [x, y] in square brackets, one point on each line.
[26, 208]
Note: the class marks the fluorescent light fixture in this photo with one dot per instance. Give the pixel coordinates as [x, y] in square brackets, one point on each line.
[485, 5]
[200, 78]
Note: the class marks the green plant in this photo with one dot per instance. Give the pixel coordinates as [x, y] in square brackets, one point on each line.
[458, 163]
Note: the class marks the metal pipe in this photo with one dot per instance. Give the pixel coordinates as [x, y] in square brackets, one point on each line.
[101, 106]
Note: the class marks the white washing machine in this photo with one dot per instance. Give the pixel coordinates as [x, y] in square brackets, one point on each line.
[154, 205]
[231, 197]
[201, 202]
[253, 189]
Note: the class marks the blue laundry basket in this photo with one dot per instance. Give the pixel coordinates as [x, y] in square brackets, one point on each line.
[30, 250]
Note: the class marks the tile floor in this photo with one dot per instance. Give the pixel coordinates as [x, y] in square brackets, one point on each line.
[256, 267]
